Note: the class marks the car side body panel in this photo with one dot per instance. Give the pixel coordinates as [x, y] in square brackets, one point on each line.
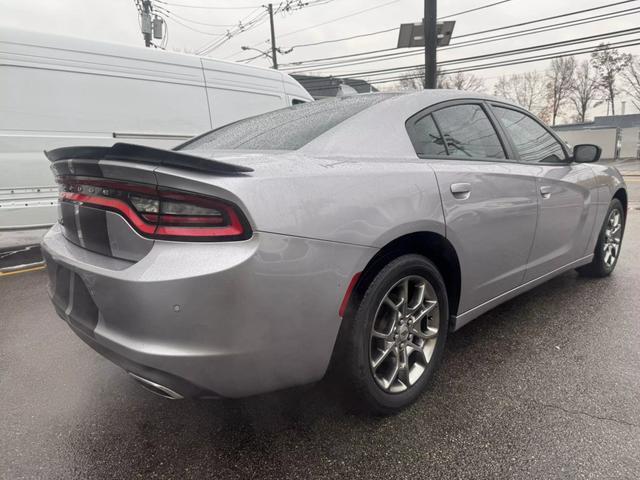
[608, 181]
[566, 216]
[492, 229]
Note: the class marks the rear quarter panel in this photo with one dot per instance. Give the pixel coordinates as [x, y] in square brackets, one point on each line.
[367, 202]
[608, 181]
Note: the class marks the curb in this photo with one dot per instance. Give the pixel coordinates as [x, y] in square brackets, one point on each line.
[22, 258]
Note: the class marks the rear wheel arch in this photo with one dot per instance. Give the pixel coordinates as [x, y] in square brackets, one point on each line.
[431, 245]
[621, 194]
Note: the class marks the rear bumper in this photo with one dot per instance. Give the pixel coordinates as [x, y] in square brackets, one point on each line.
[225, 319]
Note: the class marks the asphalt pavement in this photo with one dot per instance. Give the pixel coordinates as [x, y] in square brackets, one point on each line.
[544, 386]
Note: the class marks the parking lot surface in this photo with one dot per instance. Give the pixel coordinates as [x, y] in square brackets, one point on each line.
[544, 386]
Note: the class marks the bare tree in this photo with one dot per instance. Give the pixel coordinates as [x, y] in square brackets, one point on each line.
[632, 76]
[461, 81]
[559, 84]
[608, 63]
[585, 90]
[413, 80]
[527, 90]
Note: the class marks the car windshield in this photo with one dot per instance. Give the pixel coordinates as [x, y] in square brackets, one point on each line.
[285, 129]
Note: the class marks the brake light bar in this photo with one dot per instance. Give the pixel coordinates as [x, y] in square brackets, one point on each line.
[160, 213]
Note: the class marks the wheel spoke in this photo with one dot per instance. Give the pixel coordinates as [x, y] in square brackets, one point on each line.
[384, 336]
[420, 291]
[428, 309]
[394, 374]
[376, 363]
[405, 296]
[428, 335]
[615, 230]
[614, 250]
[418, 349]
[391, 304]
[403, 373]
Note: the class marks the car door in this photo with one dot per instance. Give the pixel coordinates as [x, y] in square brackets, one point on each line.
[489, 200]
[565, 192]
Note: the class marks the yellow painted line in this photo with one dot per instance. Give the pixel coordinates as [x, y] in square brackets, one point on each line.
[34, 269]
[632, 180]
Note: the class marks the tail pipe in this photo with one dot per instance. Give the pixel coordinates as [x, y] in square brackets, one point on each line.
[156, 388]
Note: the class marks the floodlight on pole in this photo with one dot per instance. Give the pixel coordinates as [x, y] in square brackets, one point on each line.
[429, 34]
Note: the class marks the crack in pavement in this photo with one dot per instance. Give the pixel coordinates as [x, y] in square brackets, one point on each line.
[580, 412]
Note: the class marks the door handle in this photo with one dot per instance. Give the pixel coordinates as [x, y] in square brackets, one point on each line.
[461, 190]
[545, 191]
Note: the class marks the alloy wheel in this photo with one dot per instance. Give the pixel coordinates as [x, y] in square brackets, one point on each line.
[404, 334]
[612, 237]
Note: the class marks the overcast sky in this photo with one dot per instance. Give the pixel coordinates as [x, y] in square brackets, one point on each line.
[117, 21]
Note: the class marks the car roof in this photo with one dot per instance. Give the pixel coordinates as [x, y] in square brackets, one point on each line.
[430, 97]
[379, 130]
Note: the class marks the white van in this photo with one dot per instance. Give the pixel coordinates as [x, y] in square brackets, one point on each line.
[57, 91]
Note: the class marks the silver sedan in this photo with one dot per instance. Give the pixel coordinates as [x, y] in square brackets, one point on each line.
[345, 236]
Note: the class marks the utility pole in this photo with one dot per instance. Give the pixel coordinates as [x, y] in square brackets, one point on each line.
[145, 18]
[273, 39]
[430, 43]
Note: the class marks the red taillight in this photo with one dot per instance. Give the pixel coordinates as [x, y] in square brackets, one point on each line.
[160, 213]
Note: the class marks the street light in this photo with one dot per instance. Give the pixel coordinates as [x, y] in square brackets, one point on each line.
[266, 54]
[429, 34]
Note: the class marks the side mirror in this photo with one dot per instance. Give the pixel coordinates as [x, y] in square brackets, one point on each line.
[586, 153]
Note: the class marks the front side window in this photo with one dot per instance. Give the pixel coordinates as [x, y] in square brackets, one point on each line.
[532, 141]
[468, 132]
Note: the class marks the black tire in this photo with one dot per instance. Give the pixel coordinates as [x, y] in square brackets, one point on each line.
[352, 364]
[598, 266]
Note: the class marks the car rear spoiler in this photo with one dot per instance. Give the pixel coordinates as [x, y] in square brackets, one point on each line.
[128, 152]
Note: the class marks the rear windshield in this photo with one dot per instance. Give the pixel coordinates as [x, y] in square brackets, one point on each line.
[286, 129]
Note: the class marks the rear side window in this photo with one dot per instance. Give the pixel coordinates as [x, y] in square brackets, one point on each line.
[532, 141]
[427, 138]
[468, 132]
[285, 129]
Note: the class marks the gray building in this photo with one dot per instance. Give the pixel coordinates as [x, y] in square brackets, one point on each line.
[617, 135]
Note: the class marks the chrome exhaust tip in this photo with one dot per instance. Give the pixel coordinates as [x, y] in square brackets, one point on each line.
[156, 388]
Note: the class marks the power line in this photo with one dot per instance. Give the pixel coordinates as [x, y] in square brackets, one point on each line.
[203, 32]
[283, 6]
[345, 38]
[506, 53]
[553, 17]
[457, 14]
[314, 63]
[300, 45]
[208, 7]
[538, 58]
[197, 22]
[473, 68]
[359, 12]
[249, 23]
